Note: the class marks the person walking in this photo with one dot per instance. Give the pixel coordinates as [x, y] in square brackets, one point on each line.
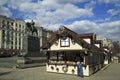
[79, 69]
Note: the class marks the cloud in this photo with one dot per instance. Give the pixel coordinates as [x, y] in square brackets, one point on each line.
[113, 12]
[106, 29]
[70, 11]
[84, 26]
[53, 13]
[110, 30]
[53, 27]
[114, 30]
[90, 5]
[47, 11]
[109, 1]
[70, 1]
[4, 10]
[16, 4]
[90, 26]
[115, 2]
[2, 2]
[110, 25]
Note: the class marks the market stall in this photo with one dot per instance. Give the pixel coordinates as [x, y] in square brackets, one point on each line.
[65, 62]
[69, 54]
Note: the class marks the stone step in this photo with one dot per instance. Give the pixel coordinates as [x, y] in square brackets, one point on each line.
[7, 65]
[38, 59]
[8, 60]
[32, 65]
[12, 61]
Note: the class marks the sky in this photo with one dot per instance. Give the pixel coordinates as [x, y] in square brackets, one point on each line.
[101, 17]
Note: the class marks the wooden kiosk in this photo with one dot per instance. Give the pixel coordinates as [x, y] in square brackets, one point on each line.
[65, 48]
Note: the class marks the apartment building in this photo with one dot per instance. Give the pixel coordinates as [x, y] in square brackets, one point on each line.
[6, 32]
[19, 32]
[11, 35]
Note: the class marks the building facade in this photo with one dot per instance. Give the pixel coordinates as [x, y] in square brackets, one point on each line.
[6, 32]
[108, 46]
[106, 42]
[12, 33]
[19, 32]
[42, 34]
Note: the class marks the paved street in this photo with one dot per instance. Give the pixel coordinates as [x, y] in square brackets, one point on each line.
[38, 73]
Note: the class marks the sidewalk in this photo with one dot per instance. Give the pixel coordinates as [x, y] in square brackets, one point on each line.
[110, 73]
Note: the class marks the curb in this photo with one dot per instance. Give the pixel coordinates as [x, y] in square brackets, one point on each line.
[105, 67]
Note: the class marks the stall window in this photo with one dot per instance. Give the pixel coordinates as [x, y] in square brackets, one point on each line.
[65, 42]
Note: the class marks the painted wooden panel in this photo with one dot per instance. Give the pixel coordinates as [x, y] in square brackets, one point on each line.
[73, 46]
[88, 40]
[98, 45]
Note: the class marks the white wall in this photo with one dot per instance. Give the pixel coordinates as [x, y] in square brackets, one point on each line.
[97, 45]
[71, 47]
[88, 40]
[86, 71]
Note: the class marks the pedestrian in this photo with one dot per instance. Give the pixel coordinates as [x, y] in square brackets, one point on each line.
[79, 69]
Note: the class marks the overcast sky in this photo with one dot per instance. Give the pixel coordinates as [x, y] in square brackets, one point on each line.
[82, 16]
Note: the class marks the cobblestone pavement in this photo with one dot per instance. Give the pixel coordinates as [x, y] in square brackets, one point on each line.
[39, 73]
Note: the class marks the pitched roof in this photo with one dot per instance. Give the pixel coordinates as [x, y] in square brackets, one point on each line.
[98, 41]
[87, 35]
[73, 35]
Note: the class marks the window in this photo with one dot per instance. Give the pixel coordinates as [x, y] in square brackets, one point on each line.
[3, 32]
[65, 42]
[12, 23]
[3, 23]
